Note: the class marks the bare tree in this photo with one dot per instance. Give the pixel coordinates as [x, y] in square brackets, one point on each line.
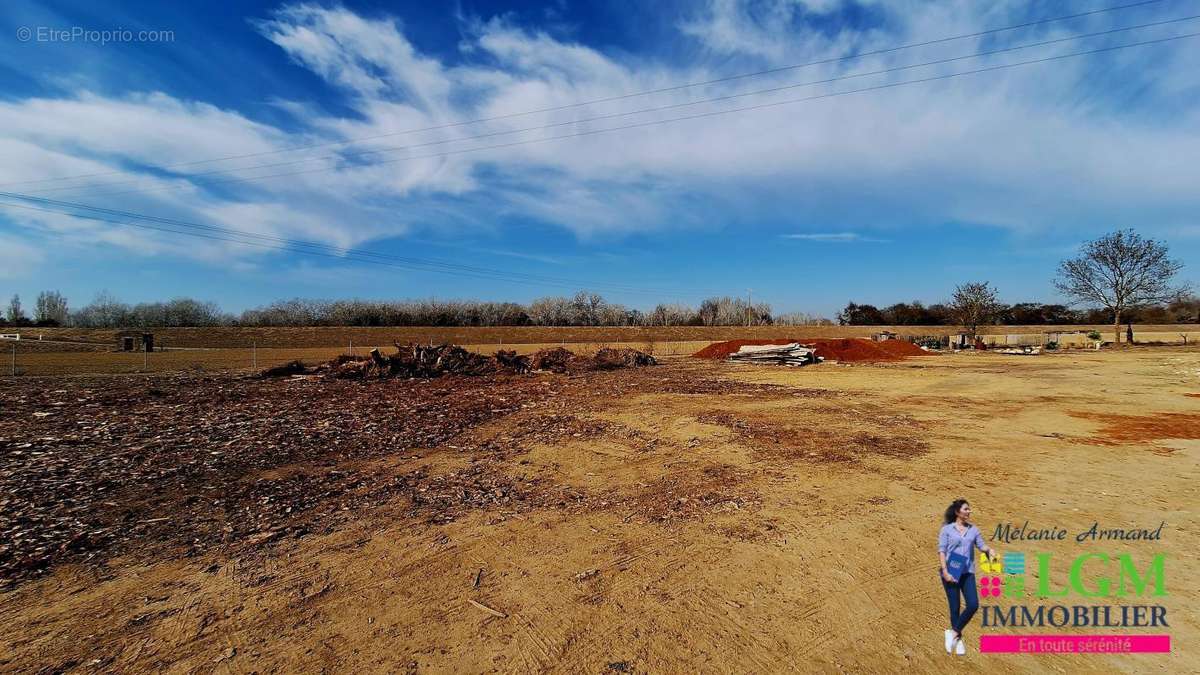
[51, 308]
[587, 307]
[974, 304]
[800, 319]
[1121, 272]
[672, 315]
[15, 313]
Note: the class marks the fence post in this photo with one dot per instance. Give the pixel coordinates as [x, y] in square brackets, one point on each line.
[14, 359]
[351, 346]
[254, 355]
[145, 358]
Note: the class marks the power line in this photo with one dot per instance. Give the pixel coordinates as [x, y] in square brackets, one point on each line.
[620, 97]
[328, 250]
[729, 97]
[288, 245]
[367, 256]
[702, 115]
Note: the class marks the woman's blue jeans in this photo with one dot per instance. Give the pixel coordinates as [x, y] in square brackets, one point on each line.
[965, 586]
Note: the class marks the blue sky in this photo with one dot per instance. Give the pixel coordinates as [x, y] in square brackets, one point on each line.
[881, 196]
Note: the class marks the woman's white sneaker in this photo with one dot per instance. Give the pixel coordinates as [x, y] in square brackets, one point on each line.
[960, 647]
[949, 641]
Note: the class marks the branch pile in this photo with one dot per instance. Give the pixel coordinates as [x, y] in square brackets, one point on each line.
[427, 362]
[417, 361]
[611, 359]
[560, 360]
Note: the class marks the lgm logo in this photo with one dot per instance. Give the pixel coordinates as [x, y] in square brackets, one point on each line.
[1090, 576]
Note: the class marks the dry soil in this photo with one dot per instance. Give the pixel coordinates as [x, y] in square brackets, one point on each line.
[691, 517]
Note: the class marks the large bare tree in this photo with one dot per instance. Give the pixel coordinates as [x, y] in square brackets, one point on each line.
[974, 304]
[51, 307]
[1121, 272]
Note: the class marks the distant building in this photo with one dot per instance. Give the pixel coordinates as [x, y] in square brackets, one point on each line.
[129, 342]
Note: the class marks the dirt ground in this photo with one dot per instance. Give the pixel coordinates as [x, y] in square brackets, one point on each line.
[694, 516]
[74, 351]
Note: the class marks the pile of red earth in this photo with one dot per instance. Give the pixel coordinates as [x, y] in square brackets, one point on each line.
[435, 361]
[842, 349]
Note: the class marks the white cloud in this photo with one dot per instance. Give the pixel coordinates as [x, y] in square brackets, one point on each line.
[760, 29]
[1051, 146]
[836, 237]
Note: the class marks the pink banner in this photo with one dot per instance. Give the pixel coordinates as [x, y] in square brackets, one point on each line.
[1075, 644]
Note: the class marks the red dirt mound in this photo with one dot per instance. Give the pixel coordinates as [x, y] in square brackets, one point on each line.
[720, 350]
[845, 350]
[852, 350]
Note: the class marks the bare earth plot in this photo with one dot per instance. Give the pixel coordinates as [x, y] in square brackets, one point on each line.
[694, 516]
[73, 351]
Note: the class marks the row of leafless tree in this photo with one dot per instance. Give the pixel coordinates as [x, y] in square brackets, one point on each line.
[50, 310]
[582, 309]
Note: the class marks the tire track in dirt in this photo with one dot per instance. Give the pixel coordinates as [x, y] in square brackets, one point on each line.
[766, 657]
[573, 651]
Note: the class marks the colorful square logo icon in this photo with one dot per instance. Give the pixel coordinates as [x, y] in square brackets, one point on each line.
[991, 586]
[1014, 563]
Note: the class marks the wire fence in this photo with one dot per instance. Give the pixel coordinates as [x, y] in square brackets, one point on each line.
[46, 358]
[34, 358]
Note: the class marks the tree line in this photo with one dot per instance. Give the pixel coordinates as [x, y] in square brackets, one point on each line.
[1184, 310]
[1121, 277]
[582, 309]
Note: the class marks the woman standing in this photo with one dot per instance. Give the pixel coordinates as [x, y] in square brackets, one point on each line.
[959, 538]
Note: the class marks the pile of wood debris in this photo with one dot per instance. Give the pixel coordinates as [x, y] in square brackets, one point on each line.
[560, 360]
[421, 361]
[430, 361]
[611, 359]
[190, 462]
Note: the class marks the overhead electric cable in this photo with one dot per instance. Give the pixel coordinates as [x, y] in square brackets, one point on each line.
[289, 245]
[715, 113]
[641, 111]
[567, 106]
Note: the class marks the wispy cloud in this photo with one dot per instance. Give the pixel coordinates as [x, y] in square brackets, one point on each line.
[836, 237]
[1072, 145]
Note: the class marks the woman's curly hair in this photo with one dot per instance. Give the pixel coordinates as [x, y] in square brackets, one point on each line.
[952, 510]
